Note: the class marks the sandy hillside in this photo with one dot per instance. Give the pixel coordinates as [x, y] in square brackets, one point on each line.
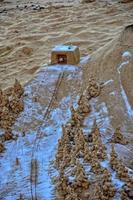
[27, 36]
[115, 60]
[112, 65]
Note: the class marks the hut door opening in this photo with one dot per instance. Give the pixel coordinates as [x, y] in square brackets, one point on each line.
[62, 59]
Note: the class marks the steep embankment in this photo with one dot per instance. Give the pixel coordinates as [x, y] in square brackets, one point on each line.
[112, 65]
[127, 72]
[105, 60]
[114, 62]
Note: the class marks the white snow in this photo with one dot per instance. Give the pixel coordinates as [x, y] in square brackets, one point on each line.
[125, 61]
[122, 65]
[108, 82]
[104, 163]
[61, 47]
[56, 67]
[117, 182]
[15, 179]
[126, 55]
[87, 168]
[84, 60]
[71, 178]
[101, 114]
[112, 93]
[128, 106]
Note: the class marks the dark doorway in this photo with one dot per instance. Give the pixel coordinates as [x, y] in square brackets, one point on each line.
[62, 59]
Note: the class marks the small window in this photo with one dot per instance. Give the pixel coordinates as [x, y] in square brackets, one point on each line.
[62, 59]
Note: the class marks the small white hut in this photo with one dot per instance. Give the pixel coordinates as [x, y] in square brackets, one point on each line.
[63, 54]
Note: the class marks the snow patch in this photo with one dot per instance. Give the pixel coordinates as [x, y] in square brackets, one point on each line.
[125, 56]
[112, 93]
[84, 60]
[117, 182]
[108, 82]
[104, 164]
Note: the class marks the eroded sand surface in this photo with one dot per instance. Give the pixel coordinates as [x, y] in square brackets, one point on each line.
[26, 39]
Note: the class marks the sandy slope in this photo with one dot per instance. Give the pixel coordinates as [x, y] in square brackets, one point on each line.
[112, 64]
[26, 36]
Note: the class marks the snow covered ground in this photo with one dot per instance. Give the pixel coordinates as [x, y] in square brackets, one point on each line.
[25, 165]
